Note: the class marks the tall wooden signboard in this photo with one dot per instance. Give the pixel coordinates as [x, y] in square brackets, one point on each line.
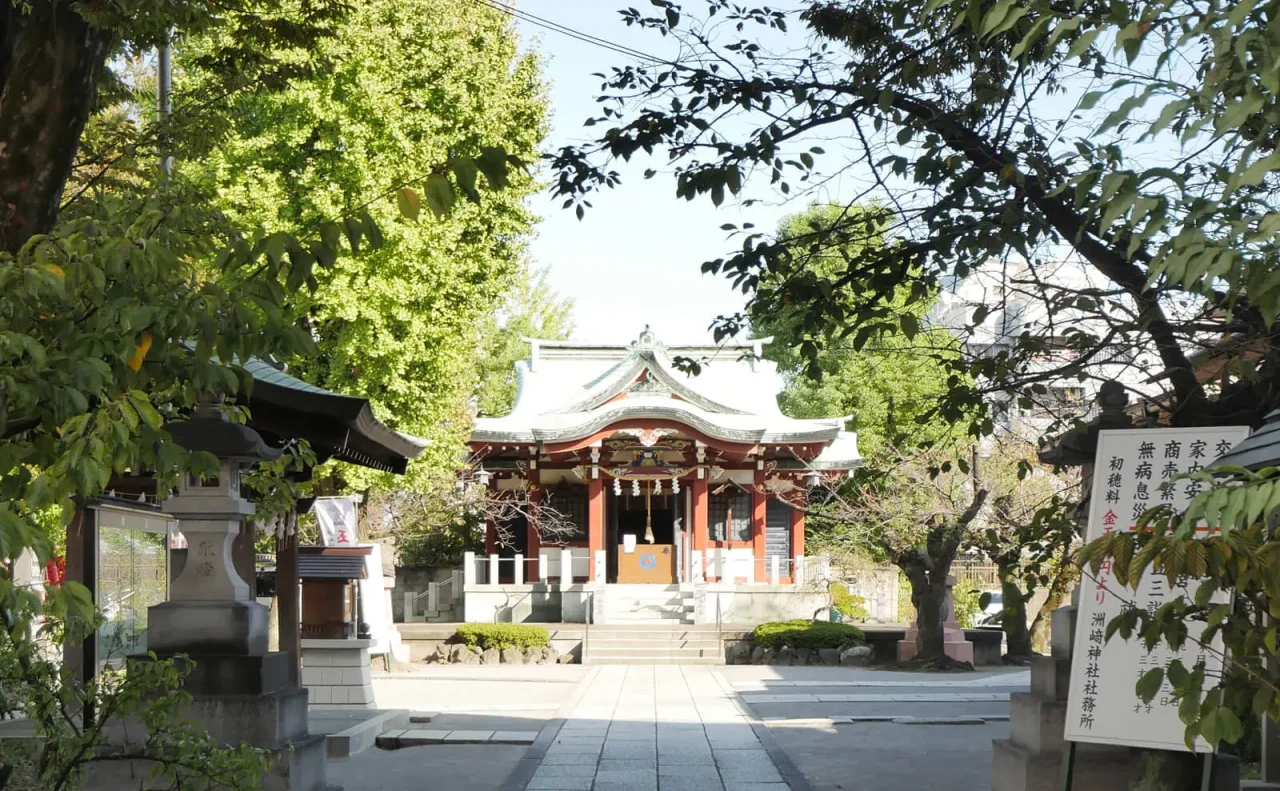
[1134, 471]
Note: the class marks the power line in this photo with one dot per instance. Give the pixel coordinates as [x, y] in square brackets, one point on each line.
[556, 27]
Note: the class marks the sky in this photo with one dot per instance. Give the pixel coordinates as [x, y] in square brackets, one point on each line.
[635, 258]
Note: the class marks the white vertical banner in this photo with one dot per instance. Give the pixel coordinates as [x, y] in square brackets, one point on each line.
[1134, 471]
[336, 517]
[373, 603]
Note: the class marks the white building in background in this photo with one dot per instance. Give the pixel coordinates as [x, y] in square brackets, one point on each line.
[1016, 302]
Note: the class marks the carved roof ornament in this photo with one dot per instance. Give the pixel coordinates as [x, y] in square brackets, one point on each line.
[647, 437]
[647, 342]
[649, 385]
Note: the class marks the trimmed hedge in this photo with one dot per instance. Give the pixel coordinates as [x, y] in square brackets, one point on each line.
[807, 634]
[502, 635]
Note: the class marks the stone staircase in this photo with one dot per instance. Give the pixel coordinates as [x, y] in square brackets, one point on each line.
[653, 644]
[647, 604]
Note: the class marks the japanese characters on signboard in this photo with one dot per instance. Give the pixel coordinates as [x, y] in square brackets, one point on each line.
[336, 517]
[1133, 472]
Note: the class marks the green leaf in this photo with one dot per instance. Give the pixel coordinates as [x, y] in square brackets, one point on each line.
[440, 195]
[910, 325]
[354, 230]
[465, 171]
[1149, 684]
[408, 202]
[1082, 44]
[1010, 19]
[1232, 729]
[1262, 701]
[493, 164]
[1037, 30]
[275, 247]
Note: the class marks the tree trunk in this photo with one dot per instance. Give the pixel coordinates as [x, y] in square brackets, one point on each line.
[1013, 619]
[50, 60]
[1067, 574]
[928, 597]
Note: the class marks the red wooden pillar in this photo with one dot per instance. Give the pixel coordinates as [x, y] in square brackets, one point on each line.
[595, 523]
[797, 535]
[758, 517]
[534, 542]
[490, 537]
[700, 522]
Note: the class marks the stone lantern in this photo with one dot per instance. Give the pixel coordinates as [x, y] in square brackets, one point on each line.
[211, 609]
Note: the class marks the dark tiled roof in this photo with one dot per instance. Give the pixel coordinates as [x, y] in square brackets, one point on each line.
[330, 567]
[1260, 449]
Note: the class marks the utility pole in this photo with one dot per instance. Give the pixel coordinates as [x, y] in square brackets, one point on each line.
[164, 92]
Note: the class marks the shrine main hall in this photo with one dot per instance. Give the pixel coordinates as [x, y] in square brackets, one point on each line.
[654, 475]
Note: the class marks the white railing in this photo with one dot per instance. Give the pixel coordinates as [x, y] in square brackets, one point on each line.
[722, 565]
[556, 566]
[566, 565]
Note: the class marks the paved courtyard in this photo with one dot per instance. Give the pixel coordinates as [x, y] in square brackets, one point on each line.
[656, 728]
[694, 727]
[464, 699]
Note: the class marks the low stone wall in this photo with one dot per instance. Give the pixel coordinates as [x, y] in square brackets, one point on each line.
[881, 644]
[458, 654]
[754, 604]
[878, 586]
[746, 652]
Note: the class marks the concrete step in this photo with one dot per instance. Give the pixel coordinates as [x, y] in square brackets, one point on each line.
[1050, 677]
[652, 632]
[602, 650]
[1099, 768]
[662, 629]
[657, 661]
[666, 645]
[1037, 723]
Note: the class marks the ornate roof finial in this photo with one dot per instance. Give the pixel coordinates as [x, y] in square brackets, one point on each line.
[646, 342]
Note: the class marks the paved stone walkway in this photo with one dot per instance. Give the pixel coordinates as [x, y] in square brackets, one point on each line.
[656, 728]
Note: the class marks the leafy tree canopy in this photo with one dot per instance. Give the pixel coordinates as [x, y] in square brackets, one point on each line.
[409, 85]
[530, 310]
[1135, 137]
[890, 385]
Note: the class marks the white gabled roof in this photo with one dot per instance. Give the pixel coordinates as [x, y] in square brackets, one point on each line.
[568, 390]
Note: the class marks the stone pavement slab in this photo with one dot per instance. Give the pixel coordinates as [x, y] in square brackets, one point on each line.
[658, 728]
[866, 730]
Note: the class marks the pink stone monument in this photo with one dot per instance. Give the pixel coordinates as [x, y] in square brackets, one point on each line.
[955, 644]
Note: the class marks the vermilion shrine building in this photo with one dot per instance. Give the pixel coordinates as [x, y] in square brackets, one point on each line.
[667, 478]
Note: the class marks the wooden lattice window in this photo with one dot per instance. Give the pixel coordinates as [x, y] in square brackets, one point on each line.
[571, 504]
[730, 515]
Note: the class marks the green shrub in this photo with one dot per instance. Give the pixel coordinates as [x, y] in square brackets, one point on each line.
[966, 599]
[502, 635]
[848, 605]
[807, 634]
